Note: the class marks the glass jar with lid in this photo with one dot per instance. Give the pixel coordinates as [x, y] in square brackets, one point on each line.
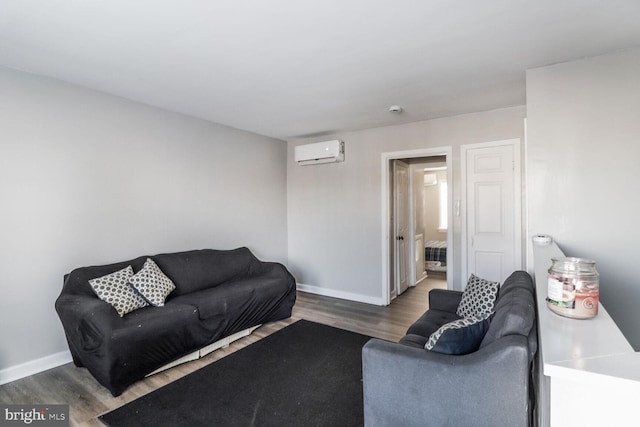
[573, 287]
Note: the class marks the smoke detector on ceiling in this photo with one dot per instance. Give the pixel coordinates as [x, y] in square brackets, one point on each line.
[395, 109]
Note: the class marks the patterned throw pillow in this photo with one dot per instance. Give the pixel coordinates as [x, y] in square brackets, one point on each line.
[114, 288]
[152, 283]
[478, 297]
[461, 336]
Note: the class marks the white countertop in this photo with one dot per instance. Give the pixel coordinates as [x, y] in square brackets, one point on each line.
[591, 346]
[590, 372]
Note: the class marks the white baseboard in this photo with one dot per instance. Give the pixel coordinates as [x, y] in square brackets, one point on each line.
[36, 366]
[339, 294]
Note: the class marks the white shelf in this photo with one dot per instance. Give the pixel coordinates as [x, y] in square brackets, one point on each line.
[590, 374]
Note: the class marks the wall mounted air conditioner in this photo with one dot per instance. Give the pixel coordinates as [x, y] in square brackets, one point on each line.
[320, 152]
[430, 179]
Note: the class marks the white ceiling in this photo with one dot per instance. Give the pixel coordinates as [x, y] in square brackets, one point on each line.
[291, 68]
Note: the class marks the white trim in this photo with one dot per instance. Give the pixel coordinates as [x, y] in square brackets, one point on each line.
[411, 282]
[385, 224]
[33, 367]
[516, 144]
[528, 263]
[440, 228]
[339, 294]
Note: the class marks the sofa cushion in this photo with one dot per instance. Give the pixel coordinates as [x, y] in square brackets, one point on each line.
[413, 340]
[461, 336]
[430, 321]
[444, 299]
[193, 271]
[152, 283]
[514, 309]
[222, 300]
[240, 304]
[114, 289]
[478, 297]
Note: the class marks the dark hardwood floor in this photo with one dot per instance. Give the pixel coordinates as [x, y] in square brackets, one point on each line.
[87, 399]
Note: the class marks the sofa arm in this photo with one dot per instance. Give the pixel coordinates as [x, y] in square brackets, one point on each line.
[444, 300]
[413, 387]
[86, 322]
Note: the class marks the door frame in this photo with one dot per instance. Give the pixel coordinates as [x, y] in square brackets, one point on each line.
[517, 169]
[387, 227]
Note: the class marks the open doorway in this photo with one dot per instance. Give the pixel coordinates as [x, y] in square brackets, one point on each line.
[432, 217]
[416, 214]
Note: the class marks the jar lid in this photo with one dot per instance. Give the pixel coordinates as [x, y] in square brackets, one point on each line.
[573, 260]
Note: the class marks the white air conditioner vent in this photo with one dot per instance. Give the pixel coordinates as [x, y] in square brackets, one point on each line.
[320, 152]
[430, 179]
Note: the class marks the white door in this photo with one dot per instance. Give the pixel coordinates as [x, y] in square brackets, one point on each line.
[402, 246]
[493, 214]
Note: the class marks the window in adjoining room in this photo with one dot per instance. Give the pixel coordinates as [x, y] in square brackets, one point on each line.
[442, 199]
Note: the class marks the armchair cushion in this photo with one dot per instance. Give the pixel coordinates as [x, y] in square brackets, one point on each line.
[431, 321]
[478, 297]
[444, 300]
[413, 340]
[461, 336]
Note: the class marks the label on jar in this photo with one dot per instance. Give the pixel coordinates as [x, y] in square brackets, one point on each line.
[560, 293]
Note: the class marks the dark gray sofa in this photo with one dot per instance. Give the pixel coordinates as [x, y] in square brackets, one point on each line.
[406, 385]
[218, 293]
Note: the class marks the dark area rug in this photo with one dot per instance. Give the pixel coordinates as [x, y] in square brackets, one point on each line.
[306, 374]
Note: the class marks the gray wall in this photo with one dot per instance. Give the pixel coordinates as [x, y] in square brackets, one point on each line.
[335, 210]
[584, 170]
[87, 178]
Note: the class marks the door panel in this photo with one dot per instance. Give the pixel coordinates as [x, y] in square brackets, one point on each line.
[493, 210]
[488, 198]
[401, 226]
[487, 263]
